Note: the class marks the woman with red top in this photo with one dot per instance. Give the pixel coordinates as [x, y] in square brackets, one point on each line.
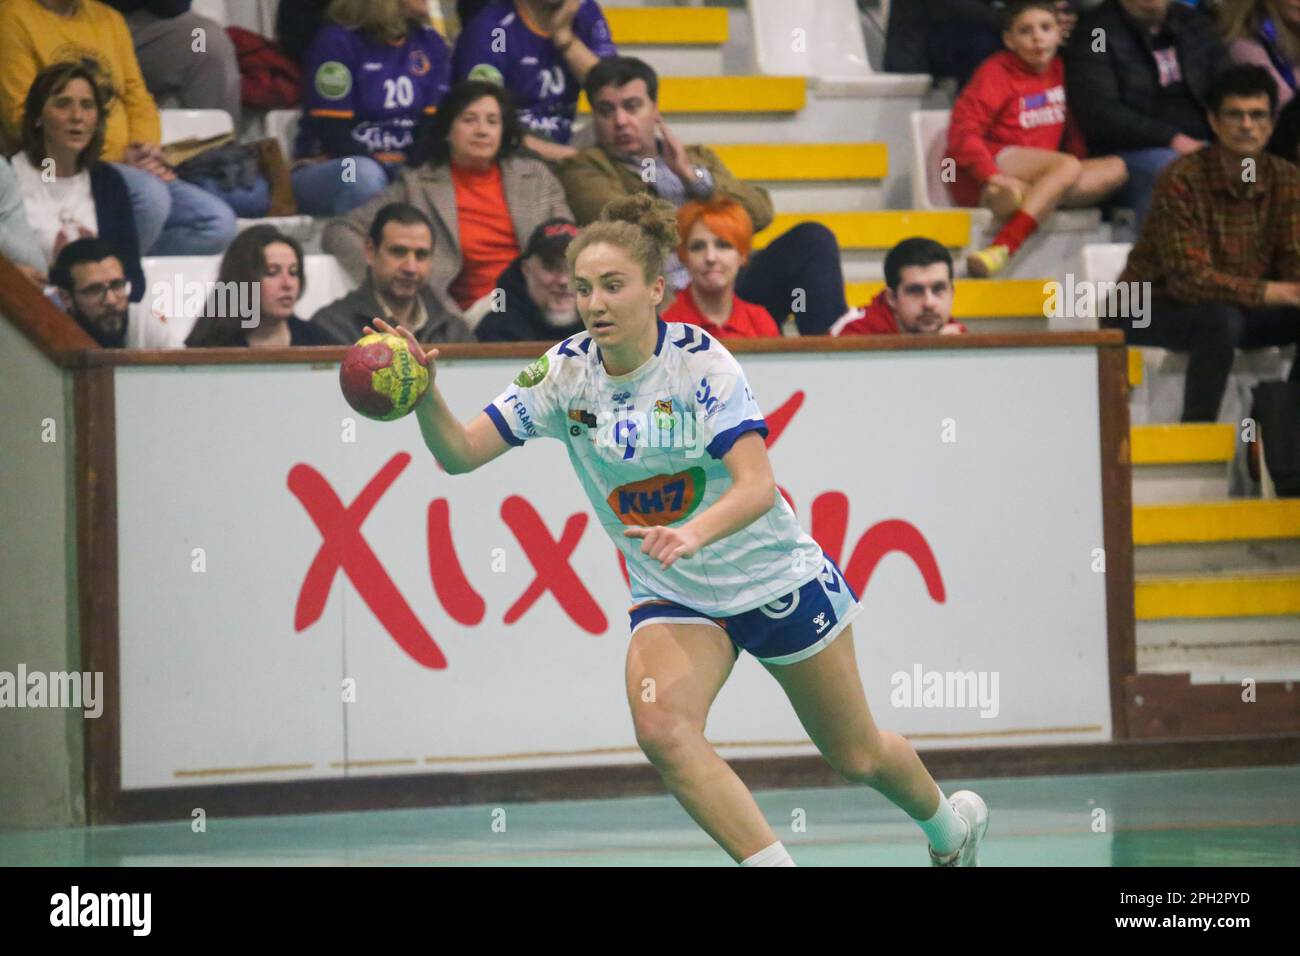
[1016, 148]
[482, 196]
[715, 244]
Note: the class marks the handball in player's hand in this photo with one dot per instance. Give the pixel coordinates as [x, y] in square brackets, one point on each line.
[383, 377]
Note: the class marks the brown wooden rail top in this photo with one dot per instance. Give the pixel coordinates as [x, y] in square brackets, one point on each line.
[65, 344]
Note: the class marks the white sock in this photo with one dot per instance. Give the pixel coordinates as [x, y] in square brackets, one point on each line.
[774, 855]
[945, 830]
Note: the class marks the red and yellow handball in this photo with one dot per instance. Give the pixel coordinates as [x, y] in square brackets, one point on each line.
[382, 377]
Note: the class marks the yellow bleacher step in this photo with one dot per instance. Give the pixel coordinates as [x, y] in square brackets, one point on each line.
[1135, 371]
[675, 26]
[975, 298]
[727, 94]
[794, 162]
[1259, 594]
[1183, 444]
[878, 230]
[1204, 521]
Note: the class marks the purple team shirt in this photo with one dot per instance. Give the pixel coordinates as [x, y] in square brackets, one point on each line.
[382, 88]
[502, 45]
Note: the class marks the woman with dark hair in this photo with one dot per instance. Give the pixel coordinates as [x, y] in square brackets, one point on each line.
[68, 194]
[483, 198]
[375, 75]
[258, 287]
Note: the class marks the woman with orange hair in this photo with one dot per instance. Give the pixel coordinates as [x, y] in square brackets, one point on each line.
[715, 241]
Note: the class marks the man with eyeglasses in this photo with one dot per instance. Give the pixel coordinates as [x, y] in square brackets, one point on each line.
[1221, 246]
[93, 288]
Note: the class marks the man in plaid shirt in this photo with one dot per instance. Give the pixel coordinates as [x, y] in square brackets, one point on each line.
[1221, 246]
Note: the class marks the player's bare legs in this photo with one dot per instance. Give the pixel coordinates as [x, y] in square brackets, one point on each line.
[826, 691]
[689, 663]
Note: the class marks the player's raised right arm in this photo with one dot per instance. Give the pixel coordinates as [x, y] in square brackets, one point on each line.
[458, 448]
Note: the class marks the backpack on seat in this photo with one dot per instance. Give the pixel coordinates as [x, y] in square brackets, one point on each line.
[269, 78]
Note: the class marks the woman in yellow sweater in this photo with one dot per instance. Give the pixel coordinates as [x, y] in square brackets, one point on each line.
[171, 215]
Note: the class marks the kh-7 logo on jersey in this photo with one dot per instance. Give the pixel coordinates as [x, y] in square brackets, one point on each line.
[660, 500]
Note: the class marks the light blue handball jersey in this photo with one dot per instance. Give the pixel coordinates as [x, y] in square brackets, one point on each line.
[647, 447]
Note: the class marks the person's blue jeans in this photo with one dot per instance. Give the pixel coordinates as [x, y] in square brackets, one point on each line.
[1144, 168]
[320, 189]
[177, 218]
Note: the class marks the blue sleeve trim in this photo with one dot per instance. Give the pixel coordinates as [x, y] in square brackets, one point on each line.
[494, 413]
[723, 441]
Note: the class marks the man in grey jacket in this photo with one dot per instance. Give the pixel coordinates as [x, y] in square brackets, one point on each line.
[399, 259]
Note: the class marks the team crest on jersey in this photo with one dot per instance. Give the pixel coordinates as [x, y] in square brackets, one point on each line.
[660, 500]
[333, 80]
[534, 374]
[418, 63]
[665, 420]
[583, 418]
[488, 73]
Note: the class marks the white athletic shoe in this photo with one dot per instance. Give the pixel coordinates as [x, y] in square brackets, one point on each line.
[971, 808]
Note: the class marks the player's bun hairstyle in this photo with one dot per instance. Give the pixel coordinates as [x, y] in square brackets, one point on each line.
[641, 225]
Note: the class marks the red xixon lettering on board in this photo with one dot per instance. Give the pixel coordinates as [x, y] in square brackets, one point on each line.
[344, 548]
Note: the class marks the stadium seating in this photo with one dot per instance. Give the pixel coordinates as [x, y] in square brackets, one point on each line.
[194, 124]
[1160, 397]
[326, 281]
[1060, 239]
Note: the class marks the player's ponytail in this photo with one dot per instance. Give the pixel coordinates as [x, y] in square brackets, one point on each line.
[641, 225]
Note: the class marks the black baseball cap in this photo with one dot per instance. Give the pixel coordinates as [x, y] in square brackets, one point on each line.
[550, 239]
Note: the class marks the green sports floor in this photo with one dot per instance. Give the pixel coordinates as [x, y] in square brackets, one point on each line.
[1245, 817]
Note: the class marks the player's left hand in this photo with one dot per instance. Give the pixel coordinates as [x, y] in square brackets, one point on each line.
[665, 545]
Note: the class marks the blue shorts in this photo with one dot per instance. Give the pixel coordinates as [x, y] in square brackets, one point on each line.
[790, 629]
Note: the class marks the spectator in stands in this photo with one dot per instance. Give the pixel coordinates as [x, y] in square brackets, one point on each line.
[537, 302]
[1221, 248]
[258, 286]
[1141, 94]
[483, 199]
[917, 298]
[18, 241]
[941, 37]
[1015, 144]
[716, 237]
[1286, 133]
[94, 289]
[541, 51]
[296, 24]
[799, 272]
[376, 73]
[1265, 33]
[399, 255]
[171, 215]
[164, 35]
[950, 38]
[68, 193]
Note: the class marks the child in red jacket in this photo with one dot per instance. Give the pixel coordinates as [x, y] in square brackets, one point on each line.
[1016, 148]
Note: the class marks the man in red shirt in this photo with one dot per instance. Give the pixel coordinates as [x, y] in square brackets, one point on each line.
[917, 298]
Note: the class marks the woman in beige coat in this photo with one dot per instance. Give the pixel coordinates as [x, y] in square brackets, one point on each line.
[483, 198]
